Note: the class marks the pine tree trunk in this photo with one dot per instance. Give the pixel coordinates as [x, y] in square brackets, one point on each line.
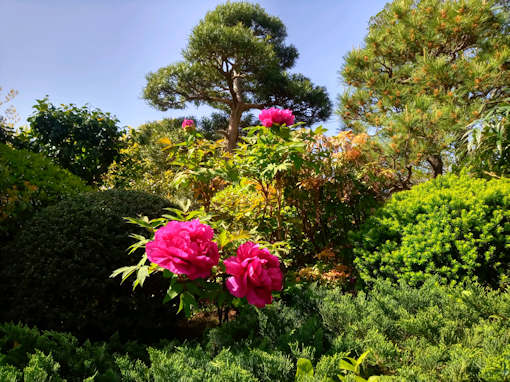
[436, 162]
[233, 129]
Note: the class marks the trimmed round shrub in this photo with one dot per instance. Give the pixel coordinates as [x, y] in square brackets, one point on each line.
[28, 182]
[456, 227]
[57, 269]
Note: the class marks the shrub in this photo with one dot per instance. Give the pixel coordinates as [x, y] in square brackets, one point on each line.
[429, 333]
[59, 265]
[29, 182]
[239, 204]
[453, 226]
[142, 164]
[58, 355]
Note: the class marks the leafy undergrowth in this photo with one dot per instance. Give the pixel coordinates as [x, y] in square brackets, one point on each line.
[431, 333]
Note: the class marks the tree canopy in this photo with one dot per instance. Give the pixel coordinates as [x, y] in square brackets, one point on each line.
[237, 60]
[426, 71]
[80, 139]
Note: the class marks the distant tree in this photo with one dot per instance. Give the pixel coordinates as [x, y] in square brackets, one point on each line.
[82, 140]
[143, 163]
[236, 60]
[424, 74]
[216, 125]
[8, 116]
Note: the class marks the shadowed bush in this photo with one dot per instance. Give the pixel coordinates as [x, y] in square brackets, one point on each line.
[56, 270]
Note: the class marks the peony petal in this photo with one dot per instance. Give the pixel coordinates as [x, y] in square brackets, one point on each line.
[233, 267]
[259, 297]
[235, 287]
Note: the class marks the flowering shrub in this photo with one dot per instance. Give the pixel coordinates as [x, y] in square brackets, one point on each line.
[337, 182]
[184, 248]
[272, 116]
[255, 274]
[188, 124]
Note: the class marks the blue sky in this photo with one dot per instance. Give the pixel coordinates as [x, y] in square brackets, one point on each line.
[99, 51]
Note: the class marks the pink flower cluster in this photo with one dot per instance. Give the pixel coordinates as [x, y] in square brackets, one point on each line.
[271, 116]
[188, 124]
[186, 248]
[255, 274]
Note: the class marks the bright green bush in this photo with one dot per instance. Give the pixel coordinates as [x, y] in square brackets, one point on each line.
[28, 351]
[9, 373]
[143, 165]
[456, 227]
[42, 368]
[56, 271]
[29, 182]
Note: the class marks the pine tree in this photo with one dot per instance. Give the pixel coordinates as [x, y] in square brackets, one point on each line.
[427, 69]
[237, 60]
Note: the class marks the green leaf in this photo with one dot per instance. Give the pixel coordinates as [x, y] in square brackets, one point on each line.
[170, 295]
[141, 275]
[167, 274]
[122, 270]
[344, 365]
[186, 302]
[304, 368]
[191, 287]
[360, 360]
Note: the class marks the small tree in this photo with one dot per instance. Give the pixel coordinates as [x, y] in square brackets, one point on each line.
[82, 140]
[235, 61]
[426, 70]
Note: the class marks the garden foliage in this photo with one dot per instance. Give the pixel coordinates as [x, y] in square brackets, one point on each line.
[456, 227]
[142, 164]
[337, 182]
[83, 140]
[285, 185]
[29, 182]
[55, 272]
[429, 333]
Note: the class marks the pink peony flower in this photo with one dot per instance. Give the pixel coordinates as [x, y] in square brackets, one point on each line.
[188, 123]
[184, 248]
[255, 274]
[271, 116]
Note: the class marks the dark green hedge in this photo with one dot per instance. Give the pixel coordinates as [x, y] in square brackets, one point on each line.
[55, 272]
[456, 227]
[29, 182]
